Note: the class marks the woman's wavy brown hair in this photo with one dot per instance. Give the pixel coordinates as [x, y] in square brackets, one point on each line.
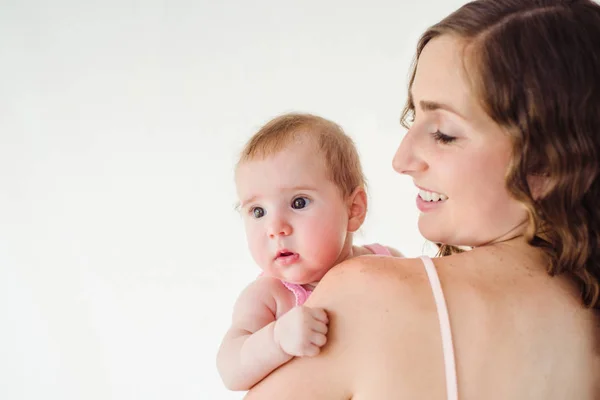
[535, 66]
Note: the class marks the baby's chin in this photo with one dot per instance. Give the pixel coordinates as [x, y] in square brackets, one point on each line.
[300, 273]
[303, 278]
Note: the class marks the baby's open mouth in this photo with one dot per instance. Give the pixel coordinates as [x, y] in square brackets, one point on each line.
[285, 254]
[286, 257]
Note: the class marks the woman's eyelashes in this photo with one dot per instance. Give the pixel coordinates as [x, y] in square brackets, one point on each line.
[298, 203]
[439, 136]
[443, 138]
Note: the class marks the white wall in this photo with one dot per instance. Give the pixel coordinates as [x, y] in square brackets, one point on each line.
[120, 252]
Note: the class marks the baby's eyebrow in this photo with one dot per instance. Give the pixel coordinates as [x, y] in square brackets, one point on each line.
[243, 203]
[300, 188]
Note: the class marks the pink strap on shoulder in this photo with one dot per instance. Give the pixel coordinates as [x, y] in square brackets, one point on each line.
[299, 292]
[376, 248]
[444, 319]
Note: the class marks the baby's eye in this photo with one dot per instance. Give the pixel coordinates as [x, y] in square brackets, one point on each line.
[258, 212]
[300, 202]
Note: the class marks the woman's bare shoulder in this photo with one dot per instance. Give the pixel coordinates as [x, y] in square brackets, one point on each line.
[381, 313]
[372, 284]
[374, 268]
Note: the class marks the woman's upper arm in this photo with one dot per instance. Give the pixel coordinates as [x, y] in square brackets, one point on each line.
[374, 334]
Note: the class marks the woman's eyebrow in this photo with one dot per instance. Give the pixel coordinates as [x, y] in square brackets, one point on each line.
[434, 105]
[429, 105]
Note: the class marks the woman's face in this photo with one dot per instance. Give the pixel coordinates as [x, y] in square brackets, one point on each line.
[457, 156]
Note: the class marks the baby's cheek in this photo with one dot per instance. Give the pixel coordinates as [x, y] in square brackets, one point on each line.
[329, 238]
[257, 249]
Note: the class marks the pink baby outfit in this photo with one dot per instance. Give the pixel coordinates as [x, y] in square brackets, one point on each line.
[302, 294]
[299, 291]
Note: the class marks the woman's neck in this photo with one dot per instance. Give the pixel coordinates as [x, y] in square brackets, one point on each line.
[514, 249]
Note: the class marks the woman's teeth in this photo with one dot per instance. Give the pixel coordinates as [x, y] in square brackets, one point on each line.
[432, 196]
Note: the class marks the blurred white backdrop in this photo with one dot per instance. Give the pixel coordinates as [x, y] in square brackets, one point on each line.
[120, 252]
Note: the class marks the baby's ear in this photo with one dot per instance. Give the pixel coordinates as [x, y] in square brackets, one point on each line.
[357, 209]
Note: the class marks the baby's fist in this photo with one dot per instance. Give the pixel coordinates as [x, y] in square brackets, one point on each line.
[301, 331]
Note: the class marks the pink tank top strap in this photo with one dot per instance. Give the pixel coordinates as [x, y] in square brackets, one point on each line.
[378, 249]
[300, 293]
[446, 332]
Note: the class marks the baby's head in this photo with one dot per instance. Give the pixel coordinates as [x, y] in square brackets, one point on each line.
[302, 194]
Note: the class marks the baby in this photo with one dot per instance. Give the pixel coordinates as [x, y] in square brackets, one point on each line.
[302, 196]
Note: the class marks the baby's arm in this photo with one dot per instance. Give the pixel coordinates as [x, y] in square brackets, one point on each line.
[248, 352]
[256, 343]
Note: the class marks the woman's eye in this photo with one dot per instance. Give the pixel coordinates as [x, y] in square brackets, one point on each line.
[443, 138]
[257, 212]
[300, 202]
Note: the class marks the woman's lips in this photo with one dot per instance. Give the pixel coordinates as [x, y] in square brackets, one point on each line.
[425, 206]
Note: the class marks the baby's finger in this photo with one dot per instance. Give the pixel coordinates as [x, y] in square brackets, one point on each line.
[320, 314]
[319, 327]
[311, 350]
[318, 339]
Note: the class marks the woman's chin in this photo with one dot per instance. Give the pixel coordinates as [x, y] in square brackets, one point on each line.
[430, 231]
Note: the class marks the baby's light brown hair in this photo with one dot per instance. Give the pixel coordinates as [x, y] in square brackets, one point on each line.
[338, 149]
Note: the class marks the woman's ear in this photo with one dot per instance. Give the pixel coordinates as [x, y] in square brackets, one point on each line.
[357, 209]
[538, 185]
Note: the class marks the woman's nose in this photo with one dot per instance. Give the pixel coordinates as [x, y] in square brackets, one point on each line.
[409, 156]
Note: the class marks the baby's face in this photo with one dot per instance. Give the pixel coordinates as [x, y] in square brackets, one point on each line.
[295, 218]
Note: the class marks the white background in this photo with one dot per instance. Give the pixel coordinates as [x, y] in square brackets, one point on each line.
[120, 251]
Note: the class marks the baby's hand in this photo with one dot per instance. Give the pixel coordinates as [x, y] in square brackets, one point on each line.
[301, 331]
